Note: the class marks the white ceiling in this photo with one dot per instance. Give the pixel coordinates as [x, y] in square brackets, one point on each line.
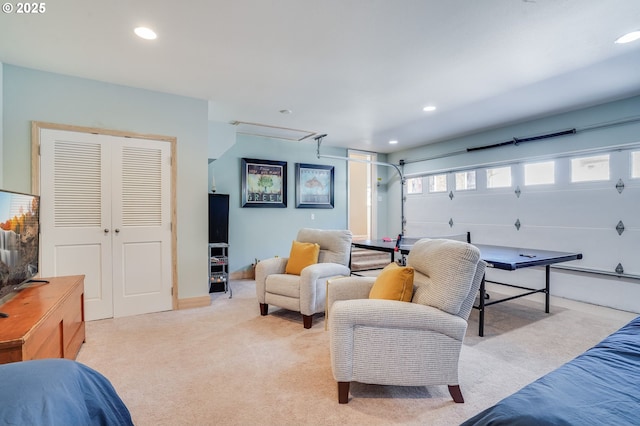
[357, 70]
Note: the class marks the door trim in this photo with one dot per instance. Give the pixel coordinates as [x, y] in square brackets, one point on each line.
[36, 126]
[372, 209]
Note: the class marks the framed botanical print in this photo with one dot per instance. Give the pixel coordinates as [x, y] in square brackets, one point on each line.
[264, 183]
[314, 186]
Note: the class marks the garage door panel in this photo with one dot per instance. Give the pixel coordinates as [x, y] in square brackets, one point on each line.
[579, 208]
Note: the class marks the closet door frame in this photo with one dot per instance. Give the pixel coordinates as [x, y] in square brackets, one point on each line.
[36, 126]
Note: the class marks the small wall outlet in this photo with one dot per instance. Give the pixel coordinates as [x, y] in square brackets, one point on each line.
[313, 216]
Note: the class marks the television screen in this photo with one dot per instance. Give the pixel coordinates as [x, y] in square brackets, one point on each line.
[19, 239]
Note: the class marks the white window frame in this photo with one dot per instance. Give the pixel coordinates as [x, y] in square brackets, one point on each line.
[466, 172]
[634, 159]
[430, 179]
[408, 183]
[574, 163]
[502, 186]
[538, 163]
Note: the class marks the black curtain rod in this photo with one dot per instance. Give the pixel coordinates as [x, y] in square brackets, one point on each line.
[516, 141]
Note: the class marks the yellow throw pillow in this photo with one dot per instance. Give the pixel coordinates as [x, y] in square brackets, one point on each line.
[301, 256]
[394, 283]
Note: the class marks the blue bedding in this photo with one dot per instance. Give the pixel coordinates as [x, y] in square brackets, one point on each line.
[601, 386]
[58, 392]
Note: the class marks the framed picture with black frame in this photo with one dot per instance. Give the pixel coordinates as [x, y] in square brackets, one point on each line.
[314, 186]
[264, 183]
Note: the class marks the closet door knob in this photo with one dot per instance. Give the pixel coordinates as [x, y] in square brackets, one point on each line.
[117, 231]
[106, 230]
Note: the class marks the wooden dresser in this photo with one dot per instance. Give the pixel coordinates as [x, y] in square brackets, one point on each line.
[46, 320]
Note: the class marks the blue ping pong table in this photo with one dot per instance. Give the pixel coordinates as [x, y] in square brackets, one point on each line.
[499, 257]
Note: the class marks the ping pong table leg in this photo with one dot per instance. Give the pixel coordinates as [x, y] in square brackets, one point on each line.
[547, 288]
[481, 309]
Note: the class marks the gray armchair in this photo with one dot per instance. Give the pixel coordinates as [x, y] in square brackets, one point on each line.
[415, 343]
[304, 293]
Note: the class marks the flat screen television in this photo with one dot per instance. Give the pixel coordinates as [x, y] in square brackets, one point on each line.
[19, 240]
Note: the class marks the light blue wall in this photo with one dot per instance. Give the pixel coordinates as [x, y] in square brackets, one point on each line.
[583, 139]
[30, 95]
[260, 233]
[222, 136]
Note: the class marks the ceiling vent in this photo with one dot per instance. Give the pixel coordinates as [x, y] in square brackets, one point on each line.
[273, 132]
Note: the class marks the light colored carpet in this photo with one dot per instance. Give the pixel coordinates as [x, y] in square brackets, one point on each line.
[226, 365]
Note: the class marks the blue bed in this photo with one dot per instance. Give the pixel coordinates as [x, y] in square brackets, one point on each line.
[58, 392]
[601, 386]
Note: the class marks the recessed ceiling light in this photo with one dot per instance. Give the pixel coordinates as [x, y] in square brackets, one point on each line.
[429, 108]
[145, 33]
[629, 37]
[393, 142]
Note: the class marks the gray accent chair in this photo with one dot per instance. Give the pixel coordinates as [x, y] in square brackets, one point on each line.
[304, 293]
[415, 343]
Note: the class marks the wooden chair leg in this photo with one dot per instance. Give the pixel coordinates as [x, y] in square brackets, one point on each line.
[307, 320]
[456, 393]
[343, 392]
[264, 309]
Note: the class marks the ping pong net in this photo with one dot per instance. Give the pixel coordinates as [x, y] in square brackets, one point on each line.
[409, 241]
[403, 242]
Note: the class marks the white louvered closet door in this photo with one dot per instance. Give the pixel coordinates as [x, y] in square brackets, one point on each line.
[105, 213]
[141, 227]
